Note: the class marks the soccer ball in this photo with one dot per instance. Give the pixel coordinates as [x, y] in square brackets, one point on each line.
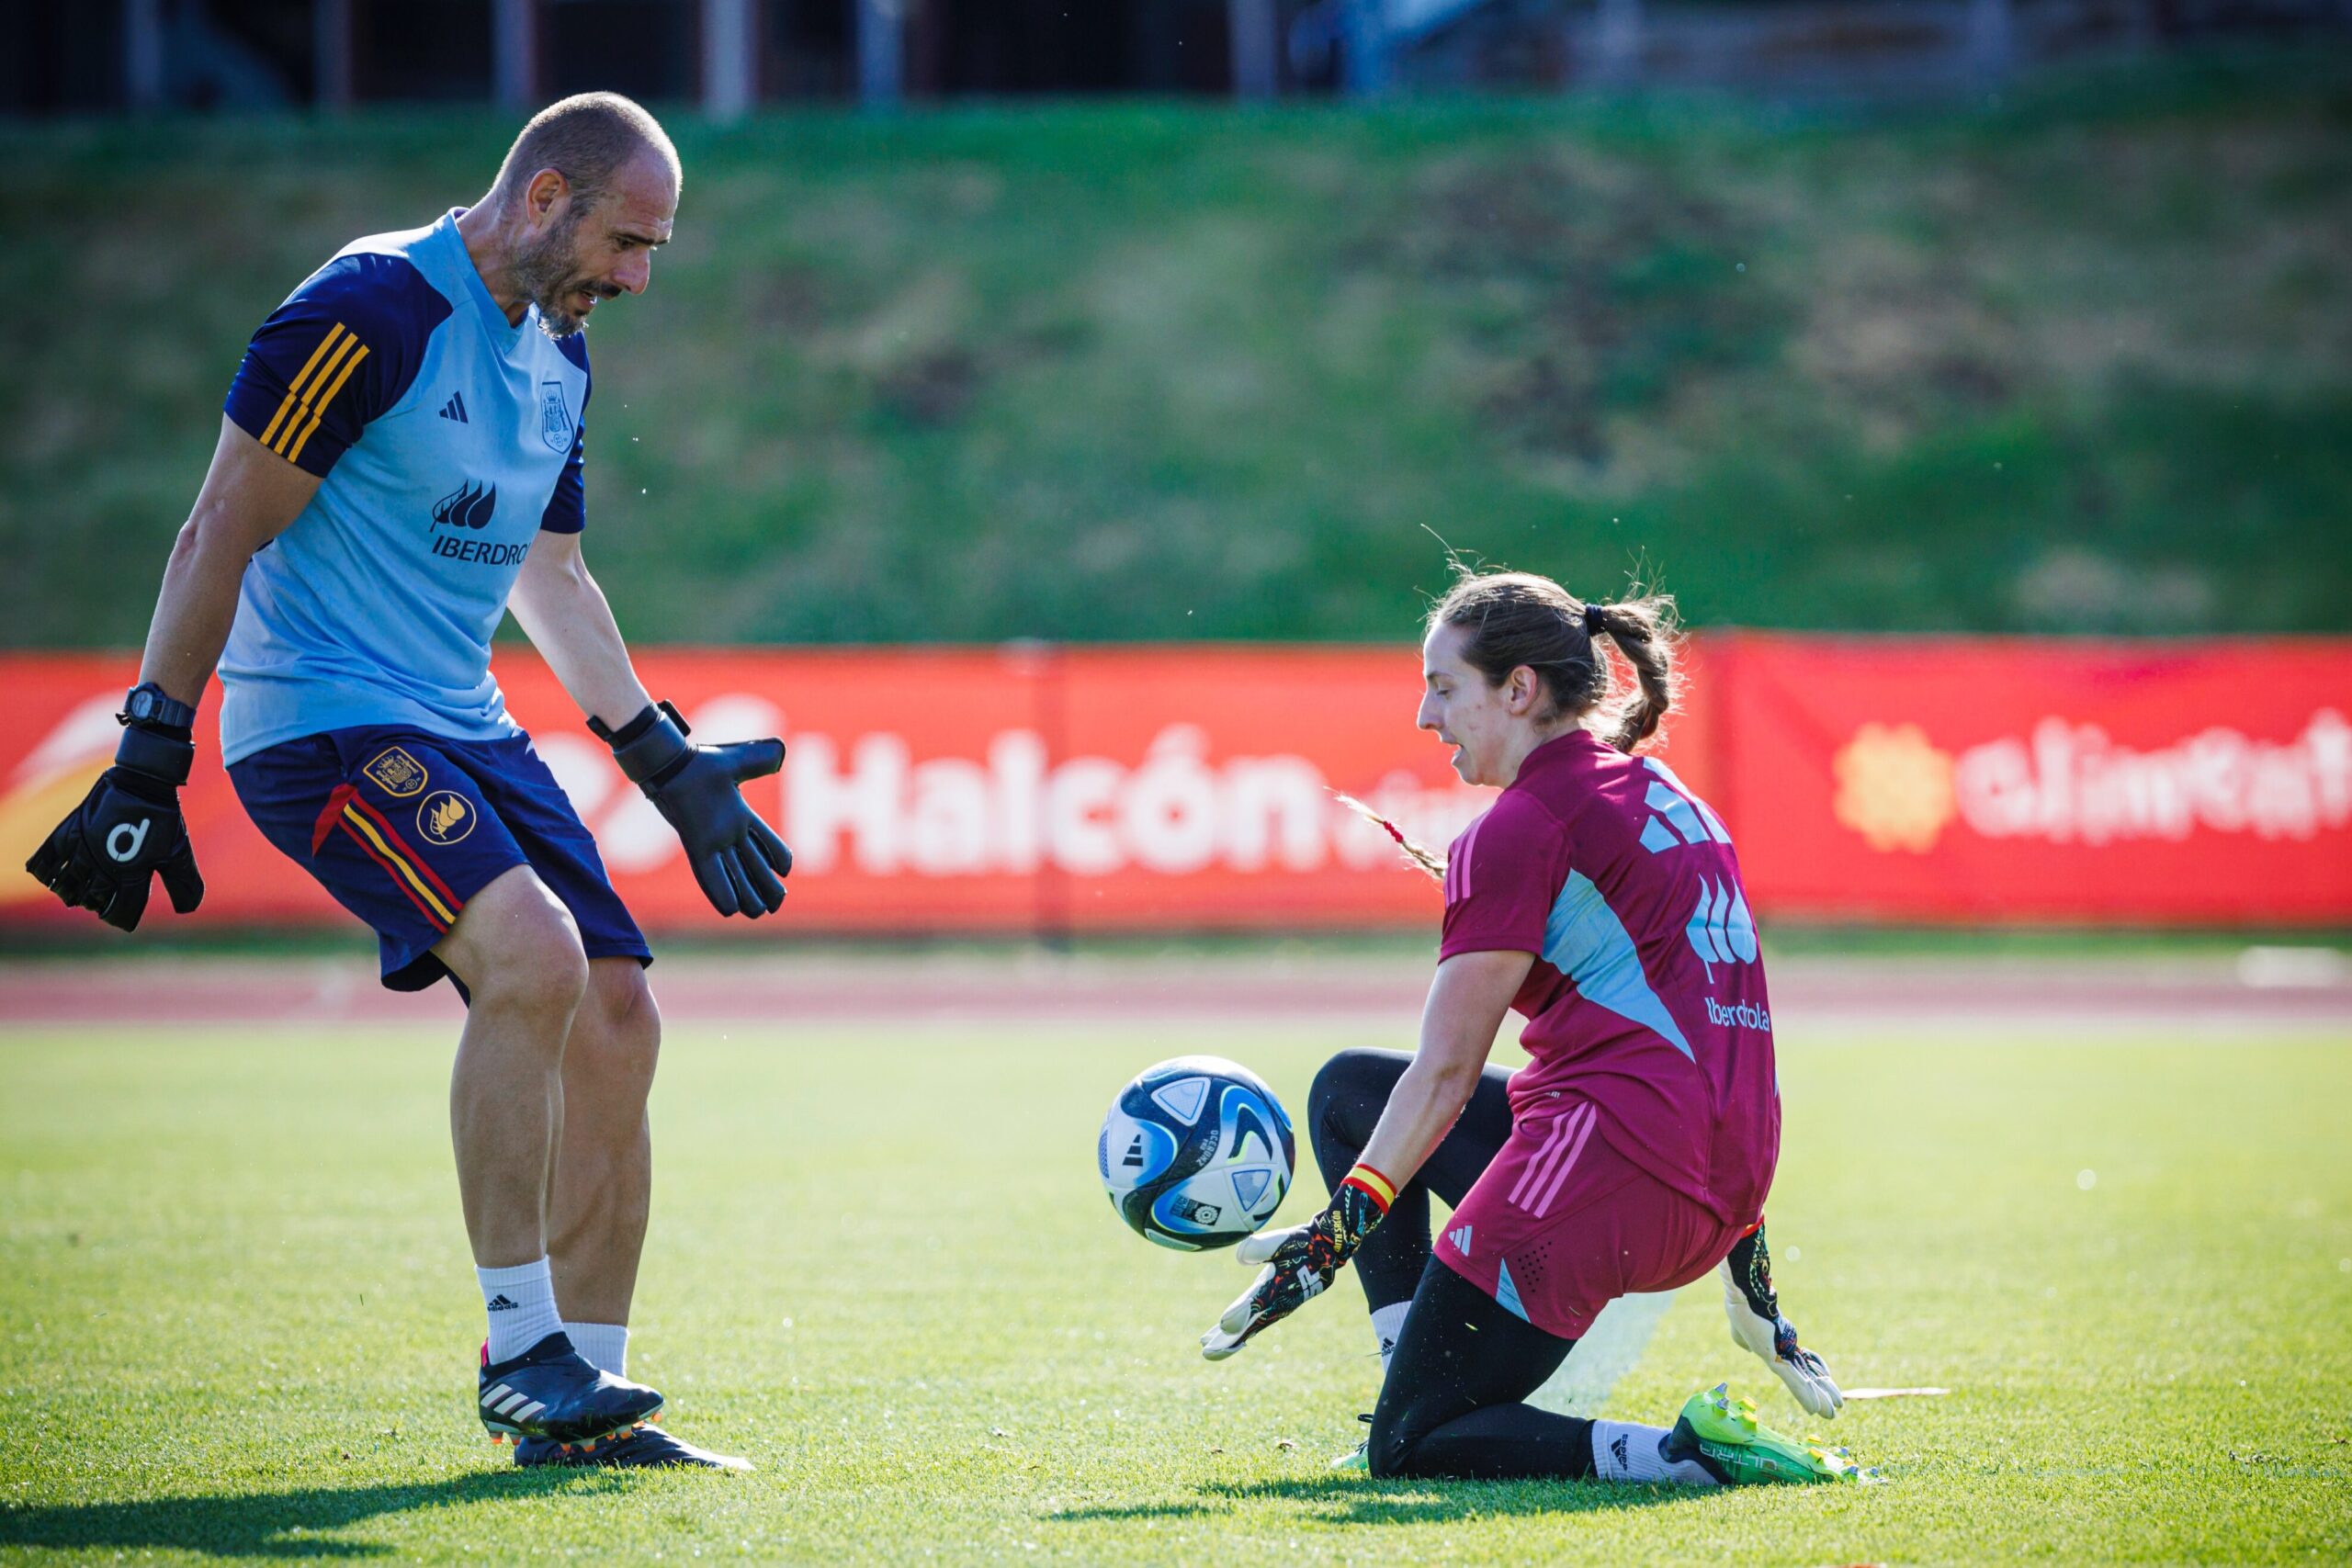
[1197, 1152]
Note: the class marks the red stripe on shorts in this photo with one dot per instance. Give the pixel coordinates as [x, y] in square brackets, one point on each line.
[331, 815]
[392, 837]
[399, 881]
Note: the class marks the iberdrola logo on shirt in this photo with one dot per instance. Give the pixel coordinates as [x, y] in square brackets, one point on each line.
[465, 511]
[468, 506]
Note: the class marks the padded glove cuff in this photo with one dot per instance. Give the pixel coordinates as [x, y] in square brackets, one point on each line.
[648, 746]
[164, 758]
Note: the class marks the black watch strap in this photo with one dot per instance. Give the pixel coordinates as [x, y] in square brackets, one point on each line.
[148, 703]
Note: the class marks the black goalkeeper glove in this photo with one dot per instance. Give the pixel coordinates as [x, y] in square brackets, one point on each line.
[127, 829]
[737, 858]
[1301, 1262]
[1758, 1326]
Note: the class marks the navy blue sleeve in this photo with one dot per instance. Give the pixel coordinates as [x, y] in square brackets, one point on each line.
[567, 510]
[340, 353]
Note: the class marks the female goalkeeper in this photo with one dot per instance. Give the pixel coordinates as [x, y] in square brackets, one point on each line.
[1600, 898]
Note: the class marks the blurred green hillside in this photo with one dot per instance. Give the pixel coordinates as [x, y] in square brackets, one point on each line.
[2078, 361]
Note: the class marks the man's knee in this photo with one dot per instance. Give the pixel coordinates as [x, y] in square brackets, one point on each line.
[617, 1035]
[516, 947]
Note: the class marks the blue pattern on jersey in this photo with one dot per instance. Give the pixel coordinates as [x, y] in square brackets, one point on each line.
[378, 605]
[1715, 827]
[1506, 1293]
[1584, 939]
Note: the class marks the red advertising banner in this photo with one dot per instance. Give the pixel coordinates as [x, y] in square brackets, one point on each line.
[1017, 789]
[1056, 789]
[1985, 780]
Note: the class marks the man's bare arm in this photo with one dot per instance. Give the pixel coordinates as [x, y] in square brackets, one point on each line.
[564, 614]
[737, 858]
[128, 829]
[250, 496]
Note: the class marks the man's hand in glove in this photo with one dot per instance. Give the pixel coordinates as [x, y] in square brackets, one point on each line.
[126, 831]
[737, 858]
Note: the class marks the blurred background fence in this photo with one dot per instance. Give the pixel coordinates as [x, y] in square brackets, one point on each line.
[730, 56]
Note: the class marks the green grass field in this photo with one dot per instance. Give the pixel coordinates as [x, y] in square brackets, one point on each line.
[236, 1321]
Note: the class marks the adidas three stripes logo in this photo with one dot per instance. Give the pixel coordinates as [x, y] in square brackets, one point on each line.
[313, 389]
[505, 1402]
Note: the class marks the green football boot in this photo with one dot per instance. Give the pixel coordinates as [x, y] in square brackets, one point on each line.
[1358, 1458]
[1722, 1435]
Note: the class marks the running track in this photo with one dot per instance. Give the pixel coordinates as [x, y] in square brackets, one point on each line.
[2203, 994]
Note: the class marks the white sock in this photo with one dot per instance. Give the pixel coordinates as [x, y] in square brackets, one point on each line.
[605, 1344]
[1626, 1453]
[521, 1304]
[1389, 1327]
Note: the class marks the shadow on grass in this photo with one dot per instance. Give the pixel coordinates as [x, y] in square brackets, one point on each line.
[269, 1524]
[1361, 1500]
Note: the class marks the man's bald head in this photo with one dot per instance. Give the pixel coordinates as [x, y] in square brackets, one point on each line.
[586, 194]
[588, 139]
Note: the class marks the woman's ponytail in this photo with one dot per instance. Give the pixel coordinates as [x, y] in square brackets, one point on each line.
[1644, 634]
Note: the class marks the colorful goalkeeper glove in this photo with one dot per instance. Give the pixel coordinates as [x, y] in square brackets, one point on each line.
[738, 859]
[1301, 1263]
[126, 831]
[1756, 1325]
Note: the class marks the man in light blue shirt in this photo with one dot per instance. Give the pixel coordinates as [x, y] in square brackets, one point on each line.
[400, 464]
[449, 439]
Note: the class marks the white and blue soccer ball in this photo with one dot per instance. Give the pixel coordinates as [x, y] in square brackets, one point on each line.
[1197, 1152]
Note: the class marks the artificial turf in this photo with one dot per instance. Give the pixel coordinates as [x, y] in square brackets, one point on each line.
[236, 1320]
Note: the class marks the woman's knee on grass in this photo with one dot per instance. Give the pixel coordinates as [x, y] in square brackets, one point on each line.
[1400, 1427]
[1461, 1353]
[1390, 1453]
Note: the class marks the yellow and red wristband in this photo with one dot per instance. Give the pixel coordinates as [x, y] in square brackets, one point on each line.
[1373, 1185]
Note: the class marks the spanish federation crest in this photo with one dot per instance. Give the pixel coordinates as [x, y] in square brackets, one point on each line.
[396, 773]
[555, 419]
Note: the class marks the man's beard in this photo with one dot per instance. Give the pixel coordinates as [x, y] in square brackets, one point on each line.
[543, 272]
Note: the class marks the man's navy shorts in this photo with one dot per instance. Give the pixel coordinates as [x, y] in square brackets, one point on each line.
[403, 827]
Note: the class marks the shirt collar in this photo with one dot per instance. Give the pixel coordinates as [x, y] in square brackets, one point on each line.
[1561, 749]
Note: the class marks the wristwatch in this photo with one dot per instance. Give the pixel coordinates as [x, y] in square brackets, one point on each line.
[148, 703]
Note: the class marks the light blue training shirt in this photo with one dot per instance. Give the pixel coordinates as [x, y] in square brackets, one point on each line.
[447, 440]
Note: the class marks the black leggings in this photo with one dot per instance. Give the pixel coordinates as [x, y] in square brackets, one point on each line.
[1454, 1401]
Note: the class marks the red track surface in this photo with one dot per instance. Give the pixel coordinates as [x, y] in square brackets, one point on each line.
[2199, 994]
